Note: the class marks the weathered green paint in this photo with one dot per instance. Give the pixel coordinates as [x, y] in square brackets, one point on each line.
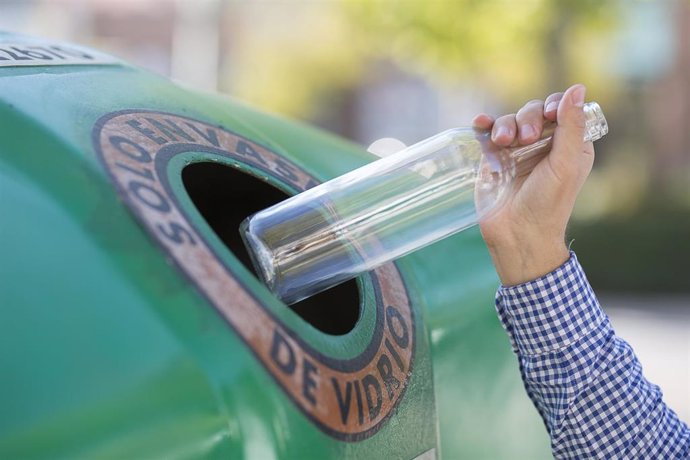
[106, 350]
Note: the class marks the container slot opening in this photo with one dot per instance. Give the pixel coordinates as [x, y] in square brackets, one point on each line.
[225, 196]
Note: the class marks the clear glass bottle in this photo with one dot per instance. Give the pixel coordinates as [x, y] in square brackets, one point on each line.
[389, 208]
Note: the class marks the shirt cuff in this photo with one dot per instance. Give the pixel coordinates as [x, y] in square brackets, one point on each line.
[550, 312]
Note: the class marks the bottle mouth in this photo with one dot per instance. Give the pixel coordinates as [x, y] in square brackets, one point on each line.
[259, 254]
[596, 126]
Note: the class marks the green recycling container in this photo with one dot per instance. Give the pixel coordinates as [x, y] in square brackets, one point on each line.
[131, 326]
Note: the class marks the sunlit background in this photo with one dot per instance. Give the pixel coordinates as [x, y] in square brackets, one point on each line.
[368, 69]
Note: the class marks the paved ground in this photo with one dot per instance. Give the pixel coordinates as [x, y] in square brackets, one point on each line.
[658, 328]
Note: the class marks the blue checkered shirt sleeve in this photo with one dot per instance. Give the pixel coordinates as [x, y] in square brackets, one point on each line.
[585, 381]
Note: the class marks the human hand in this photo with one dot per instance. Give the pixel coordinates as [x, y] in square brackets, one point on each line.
[526, 236]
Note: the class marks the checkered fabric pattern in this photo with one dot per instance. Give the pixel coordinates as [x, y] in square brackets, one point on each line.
[585, 381]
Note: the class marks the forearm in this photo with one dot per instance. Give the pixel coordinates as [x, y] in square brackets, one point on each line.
[586, 383]
[518, 260]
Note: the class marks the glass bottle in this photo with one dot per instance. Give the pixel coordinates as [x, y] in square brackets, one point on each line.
[389, 208]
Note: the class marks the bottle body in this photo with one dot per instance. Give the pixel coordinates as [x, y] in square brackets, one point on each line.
[384, 210]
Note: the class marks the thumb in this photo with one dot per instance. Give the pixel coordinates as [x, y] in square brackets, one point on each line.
[572, 156]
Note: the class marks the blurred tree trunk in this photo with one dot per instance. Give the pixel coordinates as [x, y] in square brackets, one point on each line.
[555, 49]
[669, 101]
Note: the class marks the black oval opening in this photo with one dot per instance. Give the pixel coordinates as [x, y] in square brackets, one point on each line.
[225, 196]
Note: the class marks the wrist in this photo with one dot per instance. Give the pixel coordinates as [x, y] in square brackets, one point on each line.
[519, 262]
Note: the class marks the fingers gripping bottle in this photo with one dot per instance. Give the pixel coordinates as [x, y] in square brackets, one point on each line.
[389, 208]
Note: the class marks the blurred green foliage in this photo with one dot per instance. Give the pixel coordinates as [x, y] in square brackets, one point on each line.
[644, 251]
[510, 48]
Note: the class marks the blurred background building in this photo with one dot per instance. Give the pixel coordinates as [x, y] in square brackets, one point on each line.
[372, 69]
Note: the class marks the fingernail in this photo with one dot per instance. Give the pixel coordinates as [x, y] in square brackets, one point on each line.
[578, 96]
[526, 132]
[501, 131]
[551, 106]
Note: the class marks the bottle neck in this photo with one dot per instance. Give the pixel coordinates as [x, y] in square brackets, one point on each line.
[596, 126]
